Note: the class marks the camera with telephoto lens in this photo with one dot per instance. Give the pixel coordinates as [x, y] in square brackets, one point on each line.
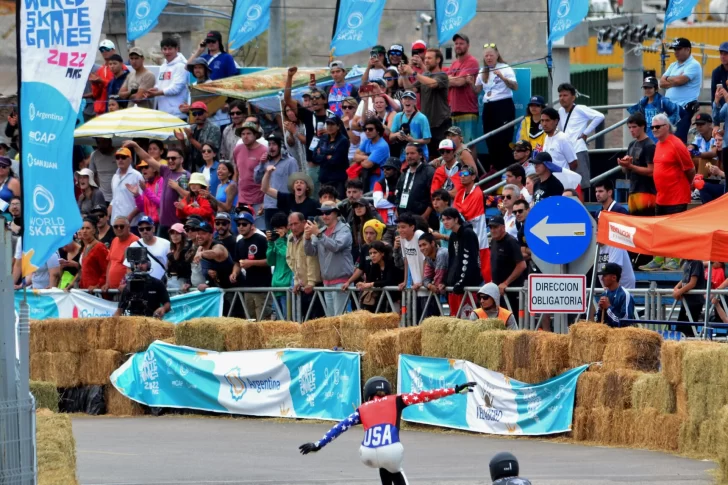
[138, 304]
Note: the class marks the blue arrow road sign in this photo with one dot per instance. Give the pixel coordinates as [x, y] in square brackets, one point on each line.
[558, 230]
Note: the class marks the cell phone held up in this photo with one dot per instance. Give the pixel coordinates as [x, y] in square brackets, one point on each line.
[366, 89]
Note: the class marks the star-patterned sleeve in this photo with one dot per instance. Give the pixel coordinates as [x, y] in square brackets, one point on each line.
[425, 396]
[339, 428]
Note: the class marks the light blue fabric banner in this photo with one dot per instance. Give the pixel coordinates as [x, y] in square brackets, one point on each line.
[250, 19]
[678, 9]
[564, 16]
[142, 16]
[357, 26]
[293, 383]
[197, 304]
[452, 16]
[499, 405]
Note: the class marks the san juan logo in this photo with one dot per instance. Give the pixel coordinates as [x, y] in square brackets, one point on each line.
[236, 383]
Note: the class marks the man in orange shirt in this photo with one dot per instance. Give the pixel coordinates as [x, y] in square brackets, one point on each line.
[116, 270]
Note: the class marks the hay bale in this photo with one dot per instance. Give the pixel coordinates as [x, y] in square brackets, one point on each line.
[625, 427]
[587, 341]
[409, 341]
[518, 351]
[46, 395]
[203, 333]
[689, 439]
[435, 335]
[722, 449]
[106, 333]
[60, 368]
[381, 348]
[278, 334]
[681, 399]
[616, 390]
[660, 431]
[359, 325]
[321, 333]
[705, 400]
[653, 391]
[489, 349]
[119, 405]
[529, 376]
[633, 348]
[588, 389]
[602, 424]
[462, 342]
[581, 429]
[97, 365]
[134, 334]
[67, 334]
[552, 354]
[36, 341]
[709, 436]
[243, 335]
[671, 356]
[704, 362]
[370, 369]
[56, 449]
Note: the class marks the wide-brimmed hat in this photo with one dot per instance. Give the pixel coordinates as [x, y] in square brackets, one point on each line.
[248, 125]
[88, 173]
[300, 176]
[198, 178]
[199, 61]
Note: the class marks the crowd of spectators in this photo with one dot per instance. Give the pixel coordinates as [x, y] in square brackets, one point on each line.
[366, 187]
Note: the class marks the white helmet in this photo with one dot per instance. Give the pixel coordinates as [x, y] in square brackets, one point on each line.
[491, 290]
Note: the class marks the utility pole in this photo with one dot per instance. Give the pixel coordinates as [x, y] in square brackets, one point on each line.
[275, 49]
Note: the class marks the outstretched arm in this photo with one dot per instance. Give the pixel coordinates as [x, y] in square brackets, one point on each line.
[434, 394]
[332, 434]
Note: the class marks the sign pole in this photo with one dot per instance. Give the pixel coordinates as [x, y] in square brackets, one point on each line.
[593, 282]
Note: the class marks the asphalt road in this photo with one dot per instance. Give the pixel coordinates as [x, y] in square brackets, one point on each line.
[212, 451]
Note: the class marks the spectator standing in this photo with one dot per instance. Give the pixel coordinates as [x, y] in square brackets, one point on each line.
[90, 196]
[604, 191]
[409, 126]
[683, 80]
[396, 56]
[137, 83]
[362, 212]
[372, 231]
[470, 202]
[447, 175]
[522, 155]
[223, 231]
[210, 164]
[197, 201]
[511, 193]
[69, 257]
[381, 272]
[104, 232]
[212, 49]
[654, 103]
[331, 156]
[227, 190]
[349, 106]
[463, 101]
[276, 258]
[506, 262]
[520, 208]
[102, 77]
[297, 199]
[295, 137]
[408, 241]
[705, 145]
[547, 184]
[488, 301]
[693, 278]
[213, 259]
[94, 257]
[157, 248]
[557, 144]
[413, 188]
[122, 201]
[178, 268]
[46, 276]
[229, 136]
[577, 122]
[354, 191]
[103, 165]
[148, 194]
[638, 163]
[281, 166]
[463, 260]
[376, 65]
[497, 81]
[171, 88]
[384, 192]
[673, 173]
[441, 200]
[305, 268]
[119, 73]
[332, 246]
[393, 90]
[341, 89]
[205, 132]
[433, 87]
[531, 129]
[371, 154]
[436, 259]
[116, 270]
[609, 254]
[250, 257]
[248, 156]
[719, 76]
[463, 154]
[617, 303]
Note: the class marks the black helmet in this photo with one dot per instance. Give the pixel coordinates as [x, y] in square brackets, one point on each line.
[503, 465]
[374, 385]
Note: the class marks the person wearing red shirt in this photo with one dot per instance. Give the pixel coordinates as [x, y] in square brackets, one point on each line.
[447, 175]
[93, 258]
[469, 202]
[101, 78]
[462, 98]
[197, 202]
[115, 271]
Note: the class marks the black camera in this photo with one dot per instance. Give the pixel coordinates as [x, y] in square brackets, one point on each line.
[135, 285]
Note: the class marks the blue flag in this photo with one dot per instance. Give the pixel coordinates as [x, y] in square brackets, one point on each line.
[452, 16]
[357, 26]
[56, 61]
[142, 16]
[250, 19]
[678, 9]
[564, 16]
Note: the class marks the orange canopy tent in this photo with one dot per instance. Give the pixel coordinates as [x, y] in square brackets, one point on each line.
[700, 233]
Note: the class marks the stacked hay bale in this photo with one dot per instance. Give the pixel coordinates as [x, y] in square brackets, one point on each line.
[224, 334]
[56, 449]
[383, 348]
[45, 394]
[322, 333]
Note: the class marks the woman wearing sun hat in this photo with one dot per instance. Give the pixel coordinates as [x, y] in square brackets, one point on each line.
[197, 202]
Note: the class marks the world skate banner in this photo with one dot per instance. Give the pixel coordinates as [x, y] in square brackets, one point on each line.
[58, 43]
[142, 16]
[498, 405]
[290, 383]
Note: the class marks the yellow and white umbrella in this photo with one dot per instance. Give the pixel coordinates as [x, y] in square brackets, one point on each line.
[134, 122]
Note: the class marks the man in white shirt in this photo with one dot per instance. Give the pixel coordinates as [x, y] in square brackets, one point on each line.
[414, 261]
[557, 144]
[511, 194]
[123, 182]
[157, 248]
[578, 122]
[171, 88]
[609, 254]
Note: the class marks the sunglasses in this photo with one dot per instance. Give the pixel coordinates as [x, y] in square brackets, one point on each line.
[465, 174]
[210, 41]
[519, 211]
[489, 46]
[121, 157]
[347, 107]
[508, 197]
[442, 152]
[483, 297]
[104, 49]
[119, 226]
[98, 214]
[418, 52]
[370, 128]
[243, 224]
[236, 113]
[330, 123]
[198, 113]
[172, 159]
[191, 229]
[520, 149]
[390, 78]
[145, 229]
[316, 98]
[656, 127]
[396, 53]
[207, 151]
[222, 223]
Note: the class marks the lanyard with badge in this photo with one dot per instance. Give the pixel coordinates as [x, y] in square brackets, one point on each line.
[406, 189]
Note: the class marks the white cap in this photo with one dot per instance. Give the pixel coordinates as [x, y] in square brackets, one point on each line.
[90, 174]
[446, 145]
[491, 290]
[108, 44]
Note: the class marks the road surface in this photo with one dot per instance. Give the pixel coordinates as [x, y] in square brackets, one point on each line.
[222, 451]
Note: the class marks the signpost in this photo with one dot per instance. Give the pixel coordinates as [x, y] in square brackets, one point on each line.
[550, 293]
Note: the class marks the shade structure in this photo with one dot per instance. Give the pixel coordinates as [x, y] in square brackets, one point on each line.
[700, 233]
[134, 122]
[262, 83]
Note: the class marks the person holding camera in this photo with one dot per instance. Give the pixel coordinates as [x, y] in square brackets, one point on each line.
[409, 126]
[143, 295]
[276, 258]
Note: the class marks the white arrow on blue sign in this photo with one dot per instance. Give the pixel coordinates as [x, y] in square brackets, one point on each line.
[558, 230]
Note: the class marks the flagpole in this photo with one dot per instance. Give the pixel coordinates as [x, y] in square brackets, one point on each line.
[549, 60]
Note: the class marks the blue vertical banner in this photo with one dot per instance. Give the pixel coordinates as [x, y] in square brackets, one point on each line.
[142, 16]
[564, 16]
[58, 42]
[250, 19]
[357, 26]
[452, 16]
[678, 9]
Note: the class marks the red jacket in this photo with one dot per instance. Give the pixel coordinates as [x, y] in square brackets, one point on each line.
[197, 207]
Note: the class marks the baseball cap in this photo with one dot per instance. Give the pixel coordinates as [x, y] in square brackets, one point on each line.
[222, 216]
[392, 162]
[214, 35]
[362, 202]
[338, 64]
[199, 105]
[378, 49]
[328, 207]
[542, 157]
[245, 216]
[409, 95]
[124, 151]
[5, 162]
[681, 43]
[205, 226]
[522, 144]
[137, 51]
[446, 145]
[419, 44]
[611, 268]
[497, 221]
[142, 164]
[248, 125]
[461, 36]
[396, 48]
[178, 228]
[650, 82]
[145, 220]
[454, 130]
[703, 118]
[98, 208]
[192, 224]
[537, 100]
[723, 47]
[90, 174]
[107, 44]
